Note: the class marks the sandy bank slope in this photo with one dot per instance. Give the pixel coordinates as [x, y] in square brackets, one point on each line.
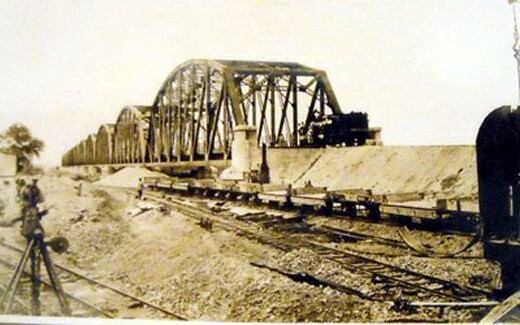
[127, 177]
[390, 169]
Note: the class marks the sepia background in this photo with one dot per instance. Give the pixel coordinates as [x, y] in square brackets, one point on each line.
[426, 71]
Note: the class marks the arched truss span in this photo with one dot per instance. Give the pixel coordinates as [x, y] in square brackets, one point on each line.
[130, 135]
[201, 101]
[104, 143]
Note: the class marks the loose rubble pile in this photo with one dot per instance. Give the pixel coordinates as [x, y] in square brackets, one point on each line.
[307, 260]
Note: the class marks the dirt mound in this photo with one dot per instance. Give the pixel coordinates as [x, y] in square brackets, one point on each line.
[128, 177]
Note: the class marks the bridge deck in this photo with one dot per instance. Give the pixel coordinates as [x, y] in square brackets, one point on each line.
[220, 163]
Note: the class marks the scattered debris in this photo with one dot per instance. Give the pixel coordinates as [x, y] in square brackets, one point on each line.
[142, 211]
[315, 281]
[136, 304]
[479, 280]
[403, 306]
[427, 250]
[165, 210]
[216, 206]
[243, 212]
[206, 223]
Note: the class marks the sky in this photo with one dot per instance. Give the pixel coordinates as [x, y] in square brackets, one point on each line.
[427, 72]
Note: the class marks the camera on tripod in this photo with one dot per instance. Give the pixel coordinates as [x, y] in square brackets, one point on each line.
[32, 228]
[36, 251]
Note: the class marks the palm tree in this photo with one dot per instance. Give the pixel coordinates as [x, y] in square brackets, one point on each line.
[17, 140]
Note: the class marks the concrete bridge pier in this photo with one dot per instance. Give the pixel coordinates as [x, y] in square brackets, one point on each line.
[244, 154]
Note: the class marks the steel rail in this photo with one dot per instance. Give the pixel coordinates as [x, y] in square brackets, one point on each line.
[354, 235]
[17, 300]
[354, 262]
[390, 212]
[8, 264]
[106, 286]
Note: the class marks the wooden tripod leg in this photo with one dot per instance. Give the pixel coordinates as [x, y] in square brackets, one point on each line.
[10, 291]
[55, 281]
[36, 281]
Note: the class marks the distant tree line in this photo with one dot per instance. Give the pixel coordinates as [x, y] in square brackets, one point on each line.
[17, 140]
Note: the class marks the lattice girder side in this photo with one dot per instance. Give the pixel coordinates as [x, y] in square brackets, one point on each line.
[72, 158]
[73, 155]
[81, 153]
[77, 154]
[66, 158]
[104, 144]
[201, 102]
[90, 149]
[130, 135]
[279, 104]
[192, 118]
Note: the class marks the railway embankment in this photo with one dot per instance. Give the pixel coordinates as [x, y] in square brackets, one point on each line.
[384, 169]
[166, 258]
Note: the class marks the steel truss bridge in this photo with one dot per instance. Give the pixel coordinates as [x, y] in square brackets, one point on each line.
[200, 103]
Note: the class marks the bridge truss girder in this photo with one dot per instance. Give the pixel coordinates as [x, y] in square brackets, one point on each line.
[201, 101]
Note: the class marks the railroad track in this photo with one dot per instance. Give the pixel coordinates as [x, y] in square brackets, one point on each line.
[349, 235]
[91, 309]
[342, 235]
[18, 305]
[395, 279]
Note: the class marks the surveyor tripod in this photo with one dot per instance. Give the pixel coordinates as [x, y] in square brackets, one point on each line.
[36, 250]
